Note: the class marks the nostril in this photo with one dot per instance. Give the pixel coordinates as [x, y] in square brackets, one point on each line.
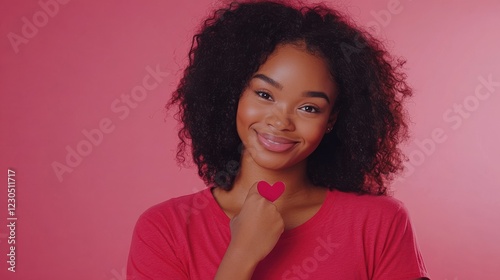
[280, 122]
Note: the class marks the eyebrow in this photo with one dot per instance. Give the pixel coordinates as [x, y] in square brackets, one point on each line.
[275, 84]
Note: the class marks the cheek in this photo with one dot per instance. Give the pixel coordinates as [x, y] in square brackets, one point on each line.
[248, 113]
[313, 132]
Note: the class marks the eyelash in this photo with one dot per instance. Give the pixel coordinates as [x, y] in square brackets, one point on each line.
[261, 93]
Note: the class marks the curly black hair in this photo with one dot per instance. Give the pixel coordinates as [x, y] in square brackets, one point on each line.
[361, 154]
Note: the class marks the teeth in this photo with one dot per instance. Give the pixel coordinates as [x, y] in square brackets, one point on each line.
[273, 141]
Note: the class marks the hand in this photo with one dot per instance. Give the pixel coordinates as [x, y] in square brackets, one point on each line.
[255, 230]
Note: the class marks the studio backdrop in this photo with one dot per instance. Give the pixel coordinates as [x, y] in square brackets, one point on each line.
[87, 144]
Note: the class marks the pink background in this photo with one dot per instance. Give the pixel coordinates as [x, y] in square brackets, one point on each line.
[66, 77]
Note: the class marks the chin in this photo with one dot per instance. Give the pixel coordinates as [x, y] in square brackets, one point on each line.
[274, 162]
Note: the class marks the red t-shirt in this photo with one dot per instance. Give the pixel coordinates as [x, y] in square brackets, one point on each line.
[350, 237]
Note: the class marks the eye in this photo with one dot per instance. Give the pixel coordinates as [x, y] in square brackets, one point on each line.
[264, 95]
[310, 109]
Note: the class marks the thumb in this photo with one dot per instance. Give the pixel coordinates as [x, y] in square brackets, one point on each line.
[233, 220]
[253, 189]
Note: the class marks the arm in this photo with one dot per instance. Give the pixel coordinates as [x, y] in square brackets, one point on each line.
[400, 258]
[152, 255]
[254, 233]
[234, 265]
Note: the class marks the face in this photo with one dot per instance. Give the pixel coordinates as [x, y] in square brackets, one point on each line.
[285, 110]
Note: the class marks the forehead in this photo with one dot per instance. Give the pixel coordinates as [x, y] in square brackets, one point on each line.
[295, 68]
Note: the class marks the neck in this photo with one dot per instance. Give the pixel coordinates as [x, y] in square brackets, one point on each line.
[299, 191]
[295, 179]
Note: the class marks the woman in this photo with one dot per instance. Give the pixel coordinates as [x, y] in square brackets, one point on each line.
[279, 95]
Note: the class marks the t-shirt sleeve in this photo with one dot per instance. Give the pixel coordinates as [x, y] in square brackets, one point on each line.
[400, 257]
[152, 252]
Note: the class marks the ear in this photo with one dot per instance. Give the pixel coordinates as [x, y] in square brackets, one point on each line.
[332, 119]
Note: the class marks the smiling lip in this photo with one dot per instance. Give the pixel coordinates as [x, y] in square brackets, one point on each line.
[274, 143]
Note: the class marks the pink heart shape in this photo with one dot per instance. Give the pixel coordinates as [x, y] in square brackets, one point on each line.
[269, 192]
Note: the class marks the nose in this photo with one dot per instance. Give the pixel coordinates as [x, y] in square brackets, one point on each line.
[280, 119]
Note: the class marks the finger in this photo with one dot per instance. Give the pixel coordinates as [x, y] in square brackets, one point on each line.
[253, 189]
[233, 219]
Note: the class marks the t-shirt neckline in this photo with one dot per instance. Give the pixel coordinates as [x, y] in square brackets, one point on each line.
[220, 216]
